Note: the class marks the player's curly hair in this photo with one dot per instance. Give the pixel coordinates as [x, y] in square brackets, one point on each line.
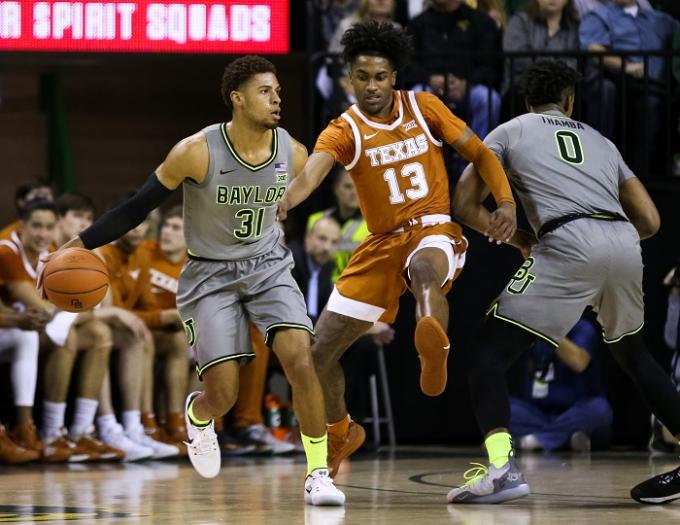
[240, 71]
[544, 81]
[380, 39]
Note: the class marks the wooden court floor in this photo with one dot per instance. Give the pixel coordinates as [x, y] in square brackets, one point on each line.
[407, 488]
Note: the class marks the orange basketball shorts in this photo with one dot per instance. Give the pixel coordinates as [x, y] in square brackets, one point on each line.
[376, 276]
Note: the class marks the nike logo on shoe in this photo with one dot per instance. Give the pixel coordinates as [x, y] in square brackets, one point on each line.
[316, 442]
[224, 172]
[367, 137]
[308, 490]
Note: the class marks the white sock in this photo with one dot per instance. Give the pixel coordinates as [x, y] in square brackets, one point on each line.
[25, 368]
[132, 420]
[53, 419]
[83, 417]
[107, 424]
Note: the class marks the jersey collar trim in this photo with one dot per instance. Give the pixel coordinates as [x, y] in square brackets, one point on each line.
[251, 167]
[378, 125]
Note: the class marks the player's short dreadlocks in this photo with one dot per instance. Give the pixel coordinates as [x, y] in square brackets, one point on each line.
[380, 39]
[240, 70]
[545, 80]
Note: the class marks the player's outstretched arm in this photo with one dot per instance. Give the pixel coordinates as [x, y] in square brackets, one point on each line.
[315, 170]
[467, 203]
[639, 207]
[187, 160]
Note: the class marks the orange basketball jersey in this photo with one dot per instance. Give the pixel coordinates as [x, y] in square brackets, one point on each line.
[163, 273]
[397, 163]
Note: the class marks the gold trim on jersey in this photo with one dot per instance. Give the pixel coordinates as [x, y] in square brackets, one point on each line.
[232, 149]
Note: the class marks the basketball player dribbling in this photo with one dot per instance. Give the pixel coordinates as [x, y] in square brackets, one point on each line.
[232, 175]
[391, 143]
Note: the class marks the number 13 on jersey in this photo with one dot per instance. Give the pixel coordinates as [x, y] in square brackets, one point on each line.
[416, 175]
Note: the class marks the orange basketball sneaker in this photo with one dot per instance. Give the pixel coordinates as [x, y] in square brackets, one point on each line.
[343, 445]
[433, 347]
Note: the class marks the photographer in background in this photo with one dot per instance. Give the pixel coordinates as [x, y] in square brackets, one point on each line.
[662, 442]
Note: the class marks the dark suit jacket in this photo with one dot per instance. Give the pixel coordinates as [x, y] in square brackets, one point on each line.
[302, 273]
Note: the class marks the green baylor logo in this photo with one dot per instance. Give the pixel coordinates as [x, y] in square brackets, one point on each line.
[522, 278]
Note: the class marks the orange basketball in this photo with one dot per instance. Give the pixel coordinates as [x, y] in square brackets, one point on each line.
[75, 280]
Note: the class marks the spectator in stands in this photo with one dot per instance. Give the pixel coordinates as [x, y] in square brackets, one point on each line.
[564, 402]
[544, 25]
[165, 259]
[353, 227]
[131, 290]
[625, 25]
[76, 212]
[465, 82]
[378, 10]
[315, 263]
[495, 9]
[332, 80]
[19, 347]
[23, 194]
[66, 336]
[331, 13]
[584, 7]
[662, 441]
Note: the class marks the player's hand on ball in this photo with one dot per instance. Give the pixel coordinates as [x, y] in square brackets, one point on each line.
[503, 223]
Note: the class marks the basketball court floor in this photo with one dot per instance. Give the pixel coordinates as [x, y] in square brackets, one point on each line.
[408, 487]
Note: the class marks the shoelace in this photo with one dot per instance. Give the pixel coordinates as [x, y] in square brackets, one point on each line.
[325, 481]
[670, 477]
[474, 474]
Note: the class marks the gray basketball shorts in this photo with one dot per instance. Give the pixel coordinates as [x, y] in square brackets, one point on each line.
[217, 300]
[585, 262]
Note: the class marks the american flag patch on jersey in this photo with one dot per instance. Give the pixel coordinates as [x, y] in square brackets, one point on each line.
[281, 167]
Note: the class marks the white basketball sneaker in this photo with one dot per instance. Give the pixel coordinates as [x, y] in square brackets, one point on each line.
[114, 436]
[203, 447]
[319, 489]
[160, 450]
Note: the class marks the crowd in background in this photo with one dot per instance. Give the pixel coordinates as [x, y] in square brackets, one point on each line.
[459, 47]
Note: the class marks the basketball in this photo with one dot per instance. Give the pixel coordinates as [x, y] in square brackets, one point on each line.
[75, 280]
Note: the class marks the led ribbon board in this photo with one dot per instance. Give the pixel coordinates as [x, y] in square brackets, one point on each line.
[180, 26]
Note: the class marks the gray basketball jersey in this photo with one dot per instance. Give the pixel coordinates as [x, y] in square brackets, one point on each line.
[559, 166]
[231, 215]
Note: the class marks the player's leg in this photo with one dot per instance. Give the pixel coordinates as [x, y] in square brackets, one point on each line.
[335, 333]
[220, 388]
[497, 345]
[429, 270]
[217, 330]
[292, 347]
[533, 305]
[663, 399]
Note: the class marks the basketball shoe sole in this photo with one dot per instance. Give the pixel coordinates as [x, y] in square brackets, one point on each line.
[433, 346]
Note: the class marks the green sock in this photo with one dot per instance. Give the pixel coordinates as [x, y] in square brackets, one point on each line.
[316, 450]
[499, 448]
[194, 420]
